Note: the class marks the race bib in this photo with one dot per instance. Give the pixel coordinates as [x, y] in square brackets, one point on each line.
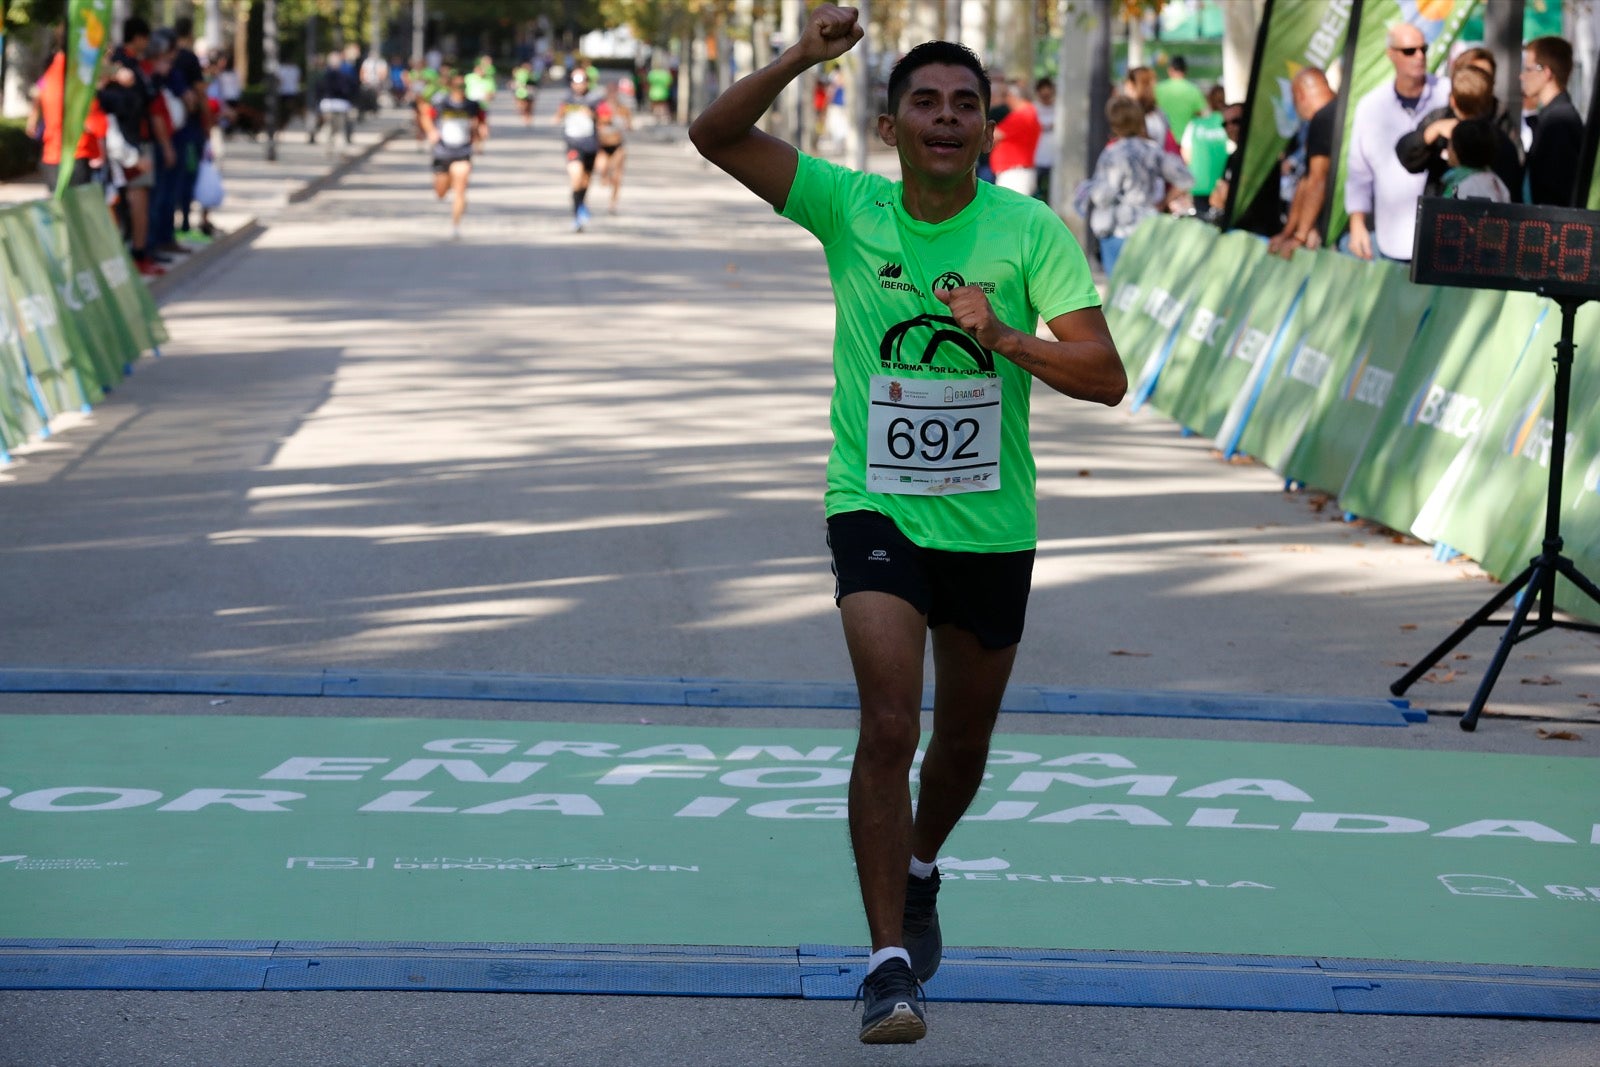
[931, 436]
[577, 124]
[456, 133]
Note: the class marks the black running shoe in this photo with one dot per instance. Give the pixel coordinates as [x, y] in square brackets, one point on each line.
[892, 1012]
[919, 930]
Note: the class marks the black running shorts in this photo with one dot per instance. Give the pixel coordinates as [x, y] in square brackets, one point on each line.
[984, 593]
[442, 164]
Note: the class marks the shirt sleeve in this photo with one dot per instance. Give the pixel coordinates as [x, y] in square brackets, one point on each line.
[1358, 172]
[1058, 276]
[821, 197]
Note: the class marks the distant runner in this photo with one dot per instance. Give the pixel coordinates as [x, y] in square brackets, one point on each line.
[525, 90]
[613, 115]
[453, 125]
[579, 124]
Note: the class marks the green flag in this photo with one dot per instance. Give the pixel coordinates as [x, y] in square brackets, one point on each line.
[87, 37]
[1440, 22]
[1295, 34]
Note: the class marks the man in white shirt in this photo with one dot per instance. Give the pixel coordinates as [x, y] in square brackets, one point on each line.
[1380, 195]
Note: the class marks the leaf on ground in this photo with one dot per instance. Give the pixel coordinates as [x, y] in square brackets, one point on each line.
[1408, 626]
[1395, 663]
[1125, 652]
[1299, 548]
[1085, 474]
[1440, 677]
[1543, 679]
[1463, 655]
[1559, 735]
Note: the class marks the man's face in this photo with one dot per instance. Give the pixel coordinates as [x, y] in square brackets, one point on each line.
[1408, 51]
[940, 127]
[1047, 95]
[1534, 76]
[1233, 121]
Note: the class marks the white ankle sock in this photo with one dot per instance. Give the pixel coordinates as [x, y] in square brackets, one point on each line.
[921, 869]
[884, 954]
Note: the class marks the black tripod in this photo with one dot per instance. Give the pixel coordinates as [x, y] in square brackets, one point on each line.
[1540, 575]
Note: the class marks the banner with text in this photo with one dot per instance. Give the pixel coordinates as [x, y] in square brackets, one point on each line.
[198, 828]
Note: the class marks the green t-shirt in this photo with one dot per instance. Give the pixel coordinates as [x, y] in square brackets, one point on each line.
[925, 422]
[1207, 145]
[1180, 100]
[659, 81]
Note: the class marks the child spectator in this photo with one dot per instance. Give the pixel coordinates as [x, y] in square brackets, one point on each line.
[1471, 152]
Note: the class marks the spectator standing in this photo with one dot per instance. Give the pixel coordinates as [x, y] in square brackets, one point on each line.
[1316, 104]
[336, 99]
[1179, 98]
[169, 117]
[128, 98]
[1206, 146]
[1016, 142]
[290, 92]
[51, 99]
[1044, 155]
[1557, 144]
[1141, 85]
[1471, 153]
[187, 81]
[1423, 150]
[658, 87]
[1132, 180]
[1232, 124]
[1380, 195]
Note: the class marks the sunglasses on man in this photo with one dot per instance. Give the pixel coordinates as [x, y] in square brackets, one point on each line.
[1407, 51]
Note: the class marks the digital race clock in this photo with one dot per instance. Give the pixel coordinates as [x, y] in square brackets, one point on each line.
[1480, 244]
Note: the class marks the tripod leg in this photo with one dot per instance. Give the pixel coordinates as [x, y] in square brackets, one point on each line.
[1569, 570]
[1478, 618]
[1540, 584]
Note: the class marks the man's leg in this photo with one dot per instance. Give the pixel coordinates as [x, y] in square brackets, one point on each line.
[460, 171]
[969, 683]
[886, 637]
[441, 183]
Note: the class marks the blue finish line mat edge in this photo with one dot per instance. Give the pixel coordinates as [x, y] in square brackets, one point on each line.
[810, 972]
[689, 692]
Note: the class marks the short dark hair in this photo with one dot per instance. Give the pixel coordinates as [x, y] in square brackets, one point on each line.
[134, 27]
[1473, 141]
[183, 27]
[928, 54]
[1045, 82]
[1179, 64]
[1555, 55]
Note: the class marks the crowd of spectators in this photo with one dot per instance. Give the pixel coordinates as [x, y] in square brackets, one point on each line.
[1176, 149]
[153, 139]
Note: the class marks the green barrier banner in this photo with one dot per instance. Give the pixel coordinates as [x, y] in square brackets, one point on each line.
[98, 243]
[1347, 407]
[1440, 22]
[1168, 287]
[20, 417]
[38, 320]
[1125, 287]
[1580, 515]
[86, 39]
[93, 230]
[1217, 302]
[1492, 495]
[39, 273]
[1141, 290]
[80, 293]
[1320, 343]
[334, 829]
[1294, 34]
[1438, 407]
[1266, 291]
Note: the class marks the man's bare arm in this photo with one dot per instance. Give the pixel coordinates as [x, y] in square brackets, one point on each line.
[726, 133]
[1082, 362]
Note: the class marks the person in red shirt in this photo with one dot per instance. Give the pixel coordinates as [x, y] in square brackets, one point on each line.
[1016, 138]
[52, 102]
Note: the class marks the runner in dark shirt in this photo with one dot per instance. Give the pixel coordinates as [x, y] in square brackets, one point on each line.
[453, 126]
[577, 116]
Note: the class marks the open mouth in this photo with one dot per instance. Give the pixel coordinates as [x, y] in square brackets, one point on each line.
[942, 145]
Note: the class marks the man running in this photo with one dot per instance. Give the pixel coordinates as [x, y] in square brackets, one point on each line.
[453, 126]
[524, 88]
[576, 116]
[930, 500]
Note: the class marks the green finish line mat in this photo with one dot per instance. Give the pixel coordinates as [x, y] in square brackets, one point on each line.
[539, 849]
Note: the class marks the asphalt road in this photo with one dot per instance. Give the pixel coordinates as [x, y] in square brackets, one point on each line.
[602, 454]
